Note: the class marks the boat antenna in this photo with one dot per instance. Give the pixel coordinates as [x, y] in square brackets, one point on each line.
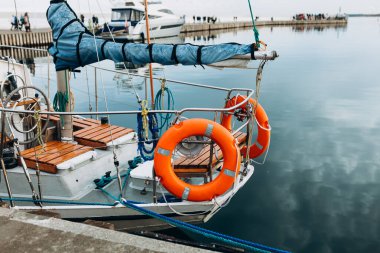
[150, 64]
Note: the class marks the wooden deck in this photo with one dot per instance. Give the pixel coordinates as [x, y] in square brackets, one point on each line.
[89, 134]
[78, 123]
[52, 154]
[98, 136]
[200, 165]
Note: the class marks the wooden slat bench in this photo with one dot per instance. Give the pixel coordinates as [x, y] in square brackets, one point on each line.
[78, 123]
[53, 154]
[199, 166]
[90, 132]
[98, 136]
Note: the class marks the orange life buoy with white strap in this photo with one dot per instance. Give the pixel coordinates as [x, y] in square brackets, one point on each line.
[264, 129]
[197, 127]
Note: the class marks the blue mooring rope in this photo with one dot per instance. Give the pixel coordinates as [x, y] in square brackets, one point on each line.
[230, 240]
[144, 152]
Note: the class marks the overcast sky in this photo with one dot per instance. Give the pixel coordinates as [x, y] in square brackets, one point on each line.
[227, 8]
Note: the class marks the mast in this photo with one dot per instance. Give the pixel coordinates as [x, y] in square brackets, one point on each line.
[63, 93]
[63, 88]
[150, 64]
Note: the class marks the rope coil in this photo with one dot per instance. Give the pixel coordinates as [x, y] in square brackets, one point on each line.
[147, 122]
[160, 105]
[37, 117]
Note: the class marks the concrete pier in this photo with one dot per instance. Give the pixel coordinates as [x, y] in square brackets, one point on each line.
[23, 232]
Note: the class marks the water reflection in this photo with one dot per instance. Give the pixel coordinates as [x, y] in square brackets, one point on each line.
[319, 28]
[129, 83]
[209, 37]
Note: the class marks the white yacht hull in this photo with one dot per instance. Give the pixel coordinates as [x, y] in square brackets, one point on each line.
[125, 218]
[158, 29]
[139, 32]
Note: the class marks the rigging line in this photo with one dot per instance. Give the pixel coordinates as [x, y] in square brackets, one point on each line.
[23, 59]
[38, 173]
[150, 65]
[255, 31]
[116, 162]
[114, 100]
[102, 81]
[113, 40]
[88, 91]
[178, 212]
[257, 96]
[265, 156]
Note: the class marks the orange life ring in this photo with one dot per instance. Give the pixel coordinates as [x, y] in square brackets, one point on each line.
[196, 127]
[263, 136]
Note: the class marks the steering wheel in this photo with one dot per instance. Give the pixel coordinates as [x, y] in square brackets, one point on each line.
[25, 122]
[2, 85]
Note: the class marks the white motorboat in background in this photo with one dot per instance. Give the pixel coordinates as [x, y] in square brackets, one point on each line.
[128, 21]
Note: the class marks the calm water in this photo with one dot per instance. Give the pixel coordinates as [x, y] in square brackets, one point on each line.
[319, 190]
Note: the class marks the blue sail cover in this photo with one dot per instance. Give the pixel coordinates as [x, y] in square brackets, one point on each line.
[74, 46]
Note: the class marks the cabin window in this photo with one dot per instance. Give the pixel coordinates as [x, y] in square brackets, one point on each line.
[127, 15]
[136, 15]
[121, 14]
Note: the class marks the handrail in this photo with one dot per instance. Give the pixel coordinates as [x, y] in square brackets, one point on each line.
[177, 112]
[24, 48]
[167, 80]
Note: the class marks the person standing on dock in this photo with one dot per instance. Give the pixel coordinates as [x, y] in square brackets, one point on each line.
[20, 23]
[14, 23]
[95, 20]
[82, 18]
[27, 22]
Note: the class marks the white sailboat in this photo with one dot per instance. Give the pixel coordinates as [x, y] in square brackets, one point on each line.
[81, 168]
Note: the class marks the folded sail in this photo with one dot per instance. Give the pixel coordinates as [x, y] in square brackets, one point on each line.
[74, 46]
